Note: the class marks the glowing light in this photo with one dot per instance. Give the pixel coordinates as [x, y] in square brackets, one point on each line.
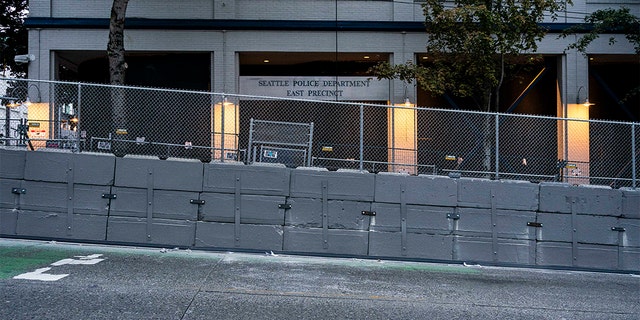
[578, 143]
[13, 104]
[402, 138]
[225, 140]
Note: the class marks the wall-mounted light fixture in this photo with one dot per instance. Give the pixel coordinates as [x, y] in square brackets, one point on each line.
[586, 102]
[12, 102]
[24, 58]
[20, 95]
[39, 97]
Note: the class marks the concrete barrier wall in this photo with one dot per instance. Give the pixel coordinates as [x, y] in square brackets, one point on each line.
[182, 203]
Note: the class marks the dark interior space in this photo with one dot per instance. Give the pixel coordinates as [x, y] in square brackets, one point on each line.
[614, 90]
[614, 87]
[529, 88]
[188, 71]
[308, 63]
[157, 116]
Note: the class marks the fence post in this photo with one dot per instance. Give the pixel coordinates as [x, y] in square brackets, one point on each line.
[222, 132]
[249, 150]
[7, 126]
[310, 145]
[633, 155]
[361, 137]
[212, 133]
[497, 146]
[78, 124]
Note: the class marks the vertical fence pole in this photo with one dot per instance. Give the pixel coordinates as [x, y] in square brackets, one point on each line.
[222, 106]
[392, 109]
[497, 146]
[565, 153]
[310, 145]
[78, 124]
[212, 125]
[361, 137]
[250, 152]
[633, 156]
[7, 126]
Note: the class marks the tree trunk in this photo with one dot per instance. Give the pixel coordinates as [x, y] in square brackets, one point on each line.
[497, 92]
[117, 71]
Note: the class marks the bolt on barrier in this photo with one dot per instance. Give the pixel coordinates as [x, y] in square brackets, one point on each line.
[81, 117]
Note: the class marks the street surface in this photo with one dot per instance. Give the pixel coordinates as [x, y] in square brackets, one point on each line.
[53, 280]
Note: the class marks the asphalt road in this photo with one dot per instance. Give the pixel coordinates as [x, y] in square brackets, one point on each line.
[48, 280]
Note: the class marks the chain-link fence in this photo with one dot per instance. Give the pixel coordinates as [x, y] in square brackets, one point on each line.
[335, 135]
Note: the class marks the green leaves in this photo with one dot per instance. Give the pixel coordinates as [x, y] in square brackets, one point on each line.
[13, 35]
[469, 42]
[606, 21]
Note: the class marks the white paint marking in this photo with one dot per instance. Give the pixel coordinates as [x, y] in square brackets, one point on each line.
[84, 260]
[40, 275]
[91, 256]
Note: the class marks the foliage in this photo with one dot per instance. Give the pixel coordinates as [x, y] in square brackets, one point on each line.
[606, 21]
[13, 35]
[471, 43]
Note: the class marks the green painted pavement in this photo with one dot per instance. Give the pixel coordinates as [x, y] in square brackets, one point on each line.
[18, 260]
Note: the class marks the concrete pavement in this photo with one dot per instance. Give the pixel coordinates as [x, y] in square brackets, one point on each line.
[49, 280]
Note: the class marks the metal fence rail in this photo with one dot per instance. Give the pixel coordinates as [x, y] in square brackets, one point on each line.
[216, 127]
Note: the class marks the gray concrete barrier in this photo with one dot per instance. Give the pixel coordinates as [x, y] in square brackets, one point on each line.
[243, 206]
[232, 206]
[151, 201]
[59, 194]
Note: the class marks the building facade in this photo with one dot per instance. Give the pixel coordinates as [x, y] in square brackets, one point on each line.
[320, 50]
[231, 45]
